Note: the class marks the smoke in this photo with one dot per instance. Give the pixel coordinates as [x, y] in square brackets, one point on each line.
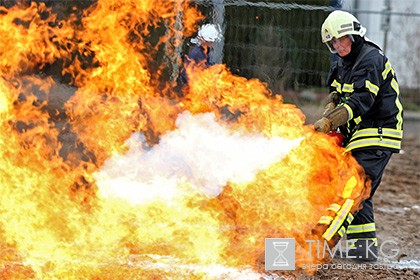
[199, 156]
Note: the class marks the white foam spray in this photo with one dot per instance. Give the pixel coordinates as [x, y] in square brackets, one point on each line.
[200, 155]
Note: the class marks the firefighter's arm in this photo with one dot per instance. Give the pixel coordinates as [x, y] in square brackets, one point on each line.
[332, 119]
[360, 102]
[367, 80]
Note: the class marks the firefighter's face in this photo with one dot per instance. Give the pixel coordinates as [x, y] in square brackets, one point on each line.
[342, 45]
[207, 43]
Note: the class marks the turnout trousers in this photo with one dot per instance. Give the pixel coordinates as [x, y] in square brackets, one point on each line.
[362, 228]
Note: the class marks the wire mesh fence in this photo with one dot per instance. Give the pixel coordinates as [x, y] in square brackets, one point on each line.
[279, 42]
[278, 46]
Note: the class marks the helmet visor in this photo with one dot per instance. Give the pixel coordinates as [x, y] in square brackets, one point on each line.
[330, 45]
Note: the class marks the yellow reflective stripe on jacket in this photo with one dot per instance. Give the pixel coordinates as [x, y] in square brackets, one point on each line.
[358, 120]
[394, 85]
[377, 141]
[389, 138]
[349, 110]
[361, 228]
[372, 87]
[347, 88]
[373, 132]
[338, 220]
[337, 85]
[388, 68]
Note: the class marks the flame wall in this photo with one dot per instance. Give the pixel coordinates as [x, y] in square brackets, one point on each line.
[60, 130]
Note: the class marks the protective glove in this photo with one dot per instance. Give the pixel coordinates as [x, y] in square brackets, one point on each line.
[323, 125]
[332, 101]
[332, 120]
[330, 106]
[334, 97]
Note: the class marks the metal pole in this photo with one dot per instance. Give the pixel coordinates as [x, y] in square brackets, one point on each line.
[386, 22]
[356, 7]
[218, 18]
[175, 33]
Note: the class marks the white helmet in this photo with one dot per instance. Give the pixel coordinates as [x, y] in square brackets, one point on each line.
[339, 24]
[209, 33]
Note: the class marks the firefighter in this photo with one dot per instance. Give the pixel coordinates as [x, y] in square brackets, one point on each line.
[365, 105]
[207, 35]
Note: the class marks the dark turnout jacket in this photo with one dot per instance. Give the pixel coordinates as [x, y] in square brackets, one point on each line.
[368, 87]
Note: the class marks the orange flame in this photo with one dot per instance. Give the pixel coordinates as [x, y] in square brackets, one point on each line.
[59, 132]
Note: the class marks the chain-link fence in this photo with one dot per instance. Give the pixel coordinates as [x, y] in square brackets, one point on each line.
[279, 42]
[279, 46]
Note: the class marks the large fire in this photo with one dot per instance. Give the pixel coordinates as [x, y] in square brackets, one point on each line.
[106, 173]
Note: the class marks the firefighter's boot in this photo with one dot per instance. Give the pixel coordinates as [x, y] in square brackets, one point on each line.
[363, 251]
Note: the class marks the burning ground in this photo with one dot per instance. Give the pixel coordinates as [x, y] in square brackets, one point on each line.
[108, 173]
